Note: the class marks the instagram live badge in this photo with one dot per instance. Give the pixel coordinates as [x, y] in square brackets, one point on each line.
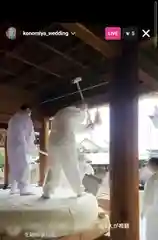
[112, 33]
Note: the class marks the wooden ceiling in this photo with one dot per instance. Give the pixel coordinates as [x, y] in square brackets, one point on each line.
[40, 69]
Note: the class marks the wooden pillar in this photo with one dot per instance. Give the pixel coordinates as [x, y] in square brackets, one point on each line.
[44, 133]
[124, 146]
[6, 166]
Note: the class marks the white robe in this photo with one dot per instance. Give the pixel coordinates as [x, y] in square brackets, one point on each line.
[62, 151]
[150, 208]
[20, 147]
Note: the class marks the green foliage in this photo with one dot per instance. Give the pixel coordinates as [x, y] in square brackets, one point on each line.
[2, 159]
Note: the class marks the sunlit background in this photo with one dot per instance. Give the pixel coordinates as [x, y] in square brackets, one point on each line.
[147, 133]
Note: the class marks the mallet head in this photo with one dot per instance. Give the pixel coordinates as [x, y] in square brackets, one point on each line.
[77, 80]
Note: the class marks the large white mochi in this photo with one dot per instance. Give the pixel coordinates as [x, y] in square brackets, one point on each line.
[58, 216]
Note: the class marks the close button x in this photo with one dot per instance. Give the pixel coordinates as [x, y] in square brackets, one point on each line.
[146, 33]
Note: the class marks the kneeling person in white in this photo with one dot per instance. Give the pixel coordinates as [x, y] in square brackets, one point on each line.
[20, 147]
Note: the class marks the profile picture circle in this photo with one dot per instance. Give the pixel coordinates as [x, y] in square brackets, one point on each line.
[11, 33]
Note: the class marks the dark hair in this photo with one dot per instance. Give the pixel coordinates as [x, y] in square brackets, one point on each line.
[153, 161]
[24, 107]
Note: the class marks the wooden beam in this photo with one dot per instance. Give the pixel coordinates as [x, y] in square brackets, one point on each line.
[23, 79]
[21, 59]
[149, 81]
[11, 47]
[3, 125]
[89, 38]
[103, 47]
[10, 106]
[7, 72]
[148, 71]
[7, 108]
[11, 99]
[28, 77]
[4, 118]
[150, 68]
[124, 180]
[63, 55]
[14, 94]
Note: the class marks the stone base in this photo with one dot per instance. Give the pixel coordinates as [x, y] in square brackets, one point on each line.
[99, 228]
[39, 218]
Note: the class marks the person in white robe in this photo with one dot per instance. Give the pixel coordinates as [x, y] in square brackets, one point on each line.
[20, 147]
[63, 150]
[149, 211]
[85, 168]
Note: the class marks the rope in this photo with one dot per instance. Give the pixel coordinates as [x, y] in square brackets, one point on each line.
[73, 93]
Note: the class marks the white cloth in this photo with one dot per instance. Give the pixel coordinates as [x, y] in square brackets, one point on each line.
[20, 147]
[150, 208]
[62, 150]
